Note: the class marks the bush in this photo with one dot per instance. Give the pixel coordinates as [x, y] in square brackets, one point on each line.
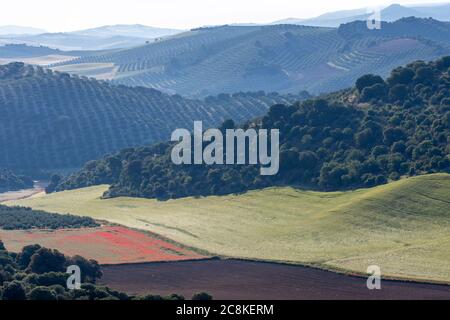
[175, 297]
[11, 182]
[41, 293]
[25, 255]
[367, 80]
[90, 269]
[54, 181]
[401, 76]
[13, 291]
[202, 296]
[151, 298]
[46, 260]
[47, 279]
[392, 135]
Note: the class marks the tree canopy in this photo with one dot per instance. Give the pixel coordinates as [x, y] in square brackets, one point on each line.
[11, 182]
[21, 218]
[38, 273]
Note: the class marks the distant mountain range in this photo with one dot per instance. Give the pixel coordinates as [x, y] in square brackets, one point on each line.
[127, 36]
[283, 58]
[106, 37]
[391, 13]
[18, 30]
[135, 31]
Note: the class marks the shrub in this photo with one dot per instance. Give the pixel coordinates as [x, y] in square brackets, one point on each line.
[13, 291]
[45, 260]
[398, 93]
[374, 92]
[368, 80]
[41, 293]
[202, 296]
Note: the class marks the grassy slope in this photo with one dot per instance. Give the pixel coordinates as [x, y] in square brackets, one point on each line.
[404, 227]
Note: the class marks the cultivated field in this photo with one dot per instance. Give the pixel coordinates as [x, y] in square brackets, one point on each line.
[106, 244]
[234, 279]
[282, 58]
[101, 71]
[404, 227]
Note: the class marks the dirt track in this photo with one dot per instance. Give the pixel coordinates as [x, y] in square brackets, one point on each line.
[23, 194]
[235, 279]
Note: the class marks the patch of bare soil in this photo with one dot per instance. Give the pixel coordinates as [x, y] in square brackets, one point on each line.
[240, 280]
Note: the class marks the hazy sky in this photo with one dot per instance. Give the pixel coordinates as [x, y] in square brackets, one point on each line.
[67, 15]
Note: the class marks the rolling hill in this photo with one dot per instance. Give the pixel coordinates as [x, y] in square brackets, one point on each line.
[73, 41]
[403, 226]
[54, 120]
[378, 131]
[101, 38]
[35, 55]
[284, 58]
[40, 55]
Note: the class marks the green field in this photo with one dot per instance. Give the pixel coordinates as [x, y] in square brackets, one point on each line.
[404, 227]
